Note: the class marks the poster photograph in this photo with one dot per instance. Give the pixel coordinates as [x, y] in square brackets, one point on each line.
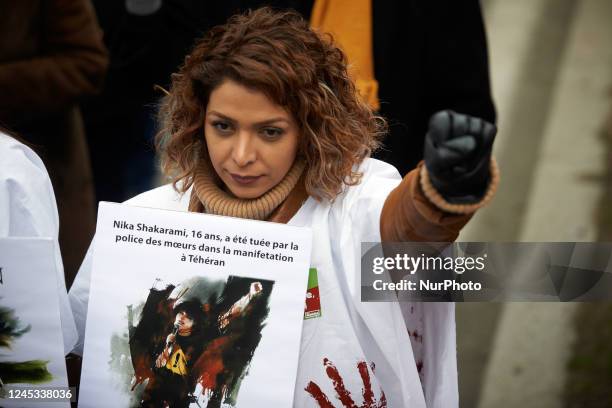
[193, 310]
[31, 343]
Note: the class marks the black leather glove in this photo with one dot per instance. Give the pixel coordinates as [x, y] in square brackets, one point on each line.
[457, 156]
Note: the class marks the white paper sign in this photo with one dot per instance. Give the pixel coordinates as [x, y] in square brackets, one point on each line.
[31, 344]
[192, 309]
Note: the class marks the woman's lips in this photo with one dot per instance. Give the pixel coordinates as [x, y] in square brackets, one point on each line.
[244, 180]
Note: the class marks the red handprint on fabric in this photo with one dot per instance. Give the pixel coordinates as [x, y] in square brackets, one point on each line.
[369, 401]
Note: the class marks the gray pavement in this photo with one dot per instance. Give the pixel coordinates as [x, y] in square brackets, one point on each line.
[551, 63]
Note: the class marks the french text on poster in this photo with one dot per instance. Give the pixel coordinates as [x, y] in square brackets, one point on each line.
[193, 309]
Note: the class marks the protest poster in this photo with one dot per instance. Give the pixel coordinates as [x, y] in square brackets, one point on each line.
[193, 310]
[32, 366]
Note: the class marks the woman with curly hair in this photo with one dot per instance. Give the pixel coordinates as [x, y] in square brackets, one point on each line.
[263, 122]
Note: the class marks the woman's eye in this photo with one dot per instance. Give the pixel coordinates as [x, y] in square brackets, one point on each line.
[222, 127]
[272, 133]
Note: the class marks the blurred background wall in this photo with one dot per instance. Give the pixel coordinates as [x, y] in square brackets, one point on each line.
[551, 72]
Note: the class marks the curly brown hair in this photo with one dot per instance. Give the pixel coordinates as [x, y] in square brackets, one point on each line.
[276, 53]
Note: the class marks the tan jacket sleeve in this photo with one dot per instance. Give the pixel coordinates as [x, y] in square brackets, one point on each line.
[409, 215]
[71, 63]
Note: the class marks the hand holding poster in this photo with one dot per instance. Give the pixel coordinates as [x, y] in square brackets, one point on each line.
[193, 309]
[31, 345]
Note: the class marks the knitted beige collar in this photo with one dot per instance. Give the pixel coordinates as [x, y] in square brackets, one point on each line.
[208, 197]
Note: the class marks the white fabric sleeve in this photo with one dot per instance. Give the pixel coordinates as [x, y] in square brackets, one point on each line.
[433, 323]
[28, 209]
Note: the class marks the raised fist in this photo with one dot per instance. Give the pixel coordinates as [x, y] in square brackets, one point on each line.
[458, 154]
[255, 289]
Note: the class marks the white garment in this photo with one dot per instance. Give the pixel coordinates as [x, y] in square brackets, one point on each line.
[348, 332]
[28, 209]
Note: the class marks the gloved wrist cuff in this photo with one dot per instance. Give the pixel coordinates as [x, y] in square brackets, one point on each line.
[439, 201]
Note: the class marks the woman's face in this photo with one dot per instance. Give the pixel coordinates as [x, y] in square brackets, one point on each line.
[183, 321]
[252, 142]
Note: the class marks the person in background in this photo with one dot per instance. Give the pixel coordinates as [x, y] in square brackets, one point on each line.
[411, 59]
[28, 209]
[51, 56]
